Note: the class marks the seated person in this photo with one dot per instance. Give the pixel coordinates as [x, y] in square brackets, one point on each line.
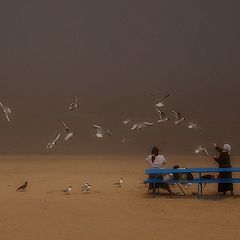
[155, 160]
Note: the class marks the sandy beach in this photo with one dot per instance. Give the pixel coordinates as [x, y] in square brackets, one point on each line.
[108, 212]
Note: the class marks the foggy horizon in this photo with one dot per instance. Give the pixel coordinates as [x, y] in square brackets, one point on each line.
[112, 56]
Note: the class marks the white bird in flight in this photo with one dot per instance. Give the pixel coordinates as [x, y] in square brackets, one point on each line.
[201, 149]
[192, 125]
[53, 143]
[7, 111]
[86, 188]
[127, 121]
[160, 101]
[68, 132]
[141, 125]
[162, 116]
[74, 105]
[100, 132]
[67, 190]
[125, 140]
[178, 116]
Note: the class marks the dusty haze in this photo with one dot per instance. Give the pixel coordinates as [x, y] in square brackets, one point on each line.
[112, 54]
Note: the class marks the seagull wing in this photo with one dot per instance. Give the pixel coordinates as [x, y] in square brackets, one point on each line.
[135, 126]
[57, 137]
[148, 123]
[8, 118]
[168, 95]
[96, 126]
[161, 114]
[177, 115]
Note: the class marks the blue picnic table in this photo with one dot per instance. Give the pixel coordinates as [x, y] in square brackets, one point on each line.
[155, 173]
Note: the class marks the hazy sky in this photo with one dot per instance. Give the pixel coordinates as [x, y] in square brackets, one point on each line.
[112, 54]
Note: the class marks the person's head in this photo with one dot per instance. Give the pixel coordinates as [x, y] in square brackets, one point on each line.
[155, 151]
[227, 147]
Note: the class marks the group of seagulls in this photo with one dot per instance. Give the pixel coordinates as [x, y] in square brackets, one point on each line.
[100, 132]
[68, 132]
[86, 188]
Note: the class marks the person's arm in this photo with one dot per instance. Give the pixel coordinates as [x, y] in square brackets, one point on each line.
[149, 161]
[216, 159]
[218, 149]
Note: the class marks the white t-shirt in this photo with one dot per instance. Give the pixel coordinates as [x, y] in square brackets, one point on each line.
[157, 163]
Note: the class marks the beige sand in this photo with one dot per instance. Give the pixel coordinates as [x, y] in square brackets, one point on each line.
[44, 212]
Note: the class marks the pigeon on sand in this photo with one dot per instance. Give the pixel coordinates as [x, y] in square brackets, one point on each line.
[23, 187]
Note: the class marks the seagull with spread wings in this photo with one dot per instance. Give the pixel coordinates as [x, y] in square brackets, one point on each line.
[100, 132]
[162, 116]
[141, 125]
[74, 105]
[201, 149]
[68, 132]
[178, 116]
[53, 143]
[7, 111]
[160, 101]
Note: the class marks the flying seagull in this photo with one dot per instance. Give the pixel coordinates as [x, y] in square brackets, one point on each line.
[67, 190]
[23, 187]
[125, 140]
[141, 125]
[160, 101]
[127, 121]
[68, 132]
[7, 111]
[86, 188]
[53, 143]
[100, 132]
[178, 116]
[192, 125]
[162, 116]
[201, 149]
[74, 105]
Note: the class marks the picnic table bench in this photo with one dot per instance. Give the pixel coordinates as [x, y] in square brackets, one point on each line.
[154, 176]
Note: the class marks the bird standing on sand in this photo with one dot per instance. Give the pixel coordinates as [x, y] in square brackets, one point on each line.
[53, 143]
[7, 111]
[68, 132]
[74, 105]
[119, 183]
[23, 187]
[86, 188]
[67, 190]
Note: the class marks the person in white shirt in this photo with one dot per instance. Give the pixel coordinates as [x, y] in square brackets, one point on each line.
[154, 160]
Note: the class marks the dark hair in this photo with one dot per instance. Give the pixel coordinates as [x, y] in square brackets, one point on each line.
[154, 152]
